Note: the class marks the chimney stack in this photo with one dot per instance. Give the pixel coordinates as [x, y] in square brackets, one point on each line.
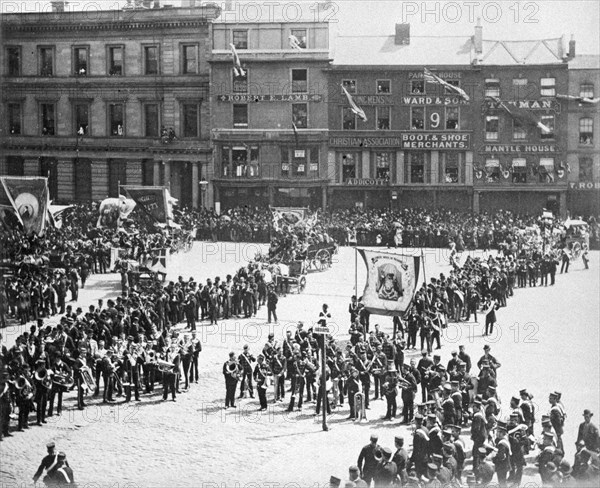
[402, 37]
[571, 53]
[58, 5]
[147, 3]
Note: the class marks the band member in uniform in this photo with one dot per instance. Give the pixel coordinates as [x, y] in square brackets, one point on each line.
[41, 393]
[245, 361]
[400, 458]
[378, 368]
[557, 419]
[409, 389]
[261, 370]
[61, 370]
[61, 474]
[170, 376]
[390, 388]
[528, 410]
[479, 432]
[352, 388]
[279, 368]
[196, 350]
[231, 372]
[420, 451]
[502, 455]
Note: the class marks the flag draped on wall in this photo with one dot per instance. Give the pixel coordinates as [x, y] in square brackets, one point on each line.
[295, 43]
[391, 281]
[456, 90]
[523, 114]
[30, 198]
[355, 108]
[151, 199]
[237, 65]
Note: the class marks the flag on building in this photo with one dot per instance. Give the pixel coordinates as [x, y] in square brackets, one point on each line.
[30, 198]
[580, 100]
[355, 108]
[391, 281]
[151, 199]
[522, 114]
[295, 131]
[237, 65]
[456, 90]
[295, 43]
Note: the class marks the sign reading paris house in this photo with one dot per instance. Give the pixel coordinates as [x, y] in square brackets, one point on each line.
[246, 98]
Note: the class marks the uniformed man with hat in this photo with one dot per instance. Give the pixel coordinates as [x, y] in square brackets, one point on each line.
[528, 410]
[400, 458]
[479, 432]
[502, 456]
[354, 476]
[483, 469]
[48, 461]
[420, 452]
[557, 418]
[61, 474]
[387, 470]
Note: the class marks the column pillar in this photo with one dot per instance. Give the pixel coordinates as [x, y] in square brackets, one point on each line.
[435, 167]
[156, 174]
[399, 167]
[99, 179]
[133, 172]
[366, 164]
[562, 207]
[324, 197]
[31, 167]
[195, 184]
[476, 202]
[167, 178]
[271, 193]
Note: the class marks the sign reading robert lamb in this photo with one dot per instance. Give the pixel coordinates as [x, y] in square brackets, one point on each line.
[436, 140]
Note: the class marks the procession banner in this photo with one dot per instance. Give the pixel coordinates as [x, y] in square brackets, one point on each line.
[159, 260]
[391, 281]
[30, 198]
[151, 199]
[288, 215]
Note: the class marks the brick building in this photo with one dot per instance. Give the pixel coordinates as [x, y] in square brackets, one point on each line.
[583, 153]
[519, 166]
[416, 147]
[101, 98]
[259, 158]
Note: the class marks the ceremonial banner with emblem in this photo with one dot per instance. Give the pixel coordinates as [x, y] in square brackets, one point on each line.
[391, 281]
[159, 260]
[151, 199]
[288, 216]
[30, 198]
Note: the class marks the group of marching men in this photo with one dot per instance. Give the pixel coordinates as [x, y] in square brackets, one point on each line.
[46, 363]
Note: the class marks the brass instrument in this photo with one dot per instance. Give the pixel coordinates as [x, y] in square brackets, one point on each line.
[43, 375]
[24, 386]
[151, 356]
[164, 366]
[88, 378]
[233, 370]
[63, 379]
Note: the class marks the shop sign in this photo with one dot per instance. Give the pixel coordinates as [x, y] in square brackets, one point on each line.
[365, 141]
[247, 98]
[549, 104]
[584, 185]
[520, 148]
[436, 140]
[367, 182]
[426, 100]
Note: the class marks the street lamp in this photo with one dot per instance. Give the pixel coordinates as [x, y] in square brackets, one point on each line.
[203, 188]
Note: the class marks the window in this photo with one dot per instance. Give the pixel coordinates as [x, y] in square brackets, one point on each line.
[299, 81]
[519, 88]
[13, 56]
[519, 131]
[80, 61]
[491, 128]
[81, 118]
[240, 115]
[383, 118]
[349, 85]
[586, 90]
[47, 119]
[151, 119]
[300, 34]
[548, 87]
[285, 162]
[416, 162]
[349, 166]
[46, 61]
[383, 86]
[417, 118]
[299, 162]
[492, 170]
[115, 60]
[240, 82]
[116, 119]
[382, 165]
[190, 119]
[586, 131]
[547, 121]
[546, 170]
[15, 166]
[453, 83]
[300, 115]
[14, 118]
[151, 60]
[586, 171]
[417, 87]
[348, 119]
[452, 117]
[189, 59]
[492, 87]
[451, 162]
[239, 157]
[519, 170]
[240, 39]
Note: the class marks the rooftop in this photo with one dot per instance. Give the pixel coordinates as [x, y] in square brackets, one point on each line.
[585, 61]
[541, 51]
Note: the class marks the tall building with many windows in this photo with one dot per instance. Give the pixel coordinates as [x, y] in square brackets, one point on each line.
[269, 114]
[583, 146]
[98, 99]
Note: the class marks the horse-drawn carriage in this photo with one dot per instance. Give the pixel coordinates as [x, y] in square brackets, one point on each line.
[318, 256]
[577, 237]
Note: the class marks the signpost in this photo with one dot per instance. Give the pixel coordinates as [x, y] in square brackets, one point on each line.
[323, 331]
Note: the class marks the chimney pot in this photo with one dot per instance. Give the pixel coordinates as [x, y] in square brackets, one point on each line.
[402, 35]
[572, 50]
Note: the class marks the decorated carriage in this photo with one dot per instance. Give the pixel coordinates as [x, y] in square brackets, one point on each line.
[577, 237]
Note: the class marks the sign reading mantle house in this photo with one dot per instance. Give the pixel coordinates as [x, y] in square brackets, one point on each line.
[520, 148]
[246, 98]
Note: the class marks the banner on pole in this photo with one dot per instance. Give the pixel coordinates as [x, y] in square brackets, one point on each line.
[151, 199]
[30, 198]
[391, 281]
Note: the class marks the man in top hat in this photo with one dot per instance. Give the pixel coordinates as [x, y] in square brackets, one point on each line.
[354, 476]
[588, 432]
[366, 460]
[386, 470]
[557, 418]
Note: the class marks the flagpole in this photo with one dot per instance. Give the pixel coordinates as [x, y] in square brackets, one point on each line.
[355, 271]
[423, 264]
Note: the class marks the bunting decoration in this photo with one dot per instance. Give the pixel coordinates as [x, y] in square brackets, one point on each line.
[30, 198]
[295, 43]
[355, 108]
[295, 131]
[391, 281]
[237, 65]
[456, 90]
[522, 114]
[580, 100]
